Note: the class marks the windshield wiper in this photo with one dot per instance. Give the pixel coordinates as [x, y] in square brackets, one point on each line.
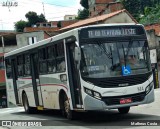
[102, 47]
[125, 55]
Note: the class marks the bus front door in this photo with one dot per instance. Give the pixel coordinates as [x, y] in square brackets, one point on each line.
[73, 75]
[35, 80]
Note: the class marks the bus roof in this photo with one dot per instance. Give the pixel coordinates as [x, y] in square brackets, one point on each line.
[62, 36]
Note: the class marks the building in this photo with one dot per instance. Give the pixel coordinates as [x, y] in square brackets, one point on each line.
[69, 17]
[100, 7]
[29, 38]
[51, 27]
[121, 16]
[153, 34]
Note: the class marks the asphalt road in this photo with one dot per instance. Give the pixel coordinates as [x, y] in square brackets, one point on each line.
[143, 114]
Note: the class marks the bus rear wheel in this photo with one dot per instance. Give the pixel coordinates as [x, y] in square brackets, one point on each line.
[124, 110]
[27, 108]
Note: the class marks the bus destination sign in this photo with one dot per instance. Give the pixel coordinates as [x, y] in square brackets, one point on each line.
[111, 32]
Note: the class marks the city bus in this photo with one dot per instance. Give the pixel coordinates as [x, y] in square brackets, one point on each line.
[91, 68]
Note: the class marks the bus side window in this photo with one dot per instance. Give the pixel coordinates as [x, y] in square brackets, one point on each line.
[60, 59]
[8, 68]
[20, 63]
[27, 70]
[42, 61]
[51, 62]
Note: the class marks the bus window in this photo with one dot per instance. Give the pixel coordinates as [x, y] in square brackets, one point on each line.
[27, 70]
[42, 61]
[8, 68]
[60, 59]
[20, 63]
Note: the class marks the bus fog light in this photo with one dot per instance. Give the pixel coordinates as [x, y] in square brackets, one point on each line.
[97, 95]
[149, 87]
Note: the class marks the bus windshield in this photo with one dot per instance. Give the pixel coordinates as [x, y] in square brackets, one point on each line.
[107, 59]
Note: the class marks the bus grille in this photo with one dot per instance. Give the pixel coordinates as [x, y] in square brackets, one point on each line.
[116, 100]
[119, 81]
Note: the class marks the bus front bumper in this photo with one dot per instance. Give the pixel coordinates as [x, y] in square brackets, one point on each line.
[91, 103]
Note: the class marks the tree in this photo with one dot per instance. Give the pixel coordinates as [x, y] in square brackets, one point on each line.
[20, 25]
[137, 7]
[82, 14]
[84, 4]
[33, 18]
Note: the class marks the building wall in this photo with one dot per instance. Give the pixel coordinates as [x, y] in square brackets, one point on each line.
[8, 48]
[69, 17]
[120, 18]
[23, 39]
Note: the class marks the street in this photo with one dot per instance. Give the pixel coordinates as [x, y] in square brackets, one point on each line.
[108, 119]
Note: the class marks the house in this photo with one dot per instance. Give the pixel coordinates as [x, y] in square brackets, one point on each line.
[153, 34]
[28, 38]
[100, 7]
[121, 16]
[51, 27]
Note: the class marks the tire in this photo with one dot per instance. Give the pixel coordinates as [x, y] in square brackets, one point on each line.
[27, 108]
[68, 113]
[124, 110]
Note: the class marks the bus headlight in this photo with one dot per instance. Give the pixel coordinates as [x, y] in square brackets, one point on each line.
[92, 93]
[149, 87]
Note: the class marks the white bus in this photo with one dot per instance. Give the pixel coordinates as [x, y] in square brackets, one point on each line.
[96, 67]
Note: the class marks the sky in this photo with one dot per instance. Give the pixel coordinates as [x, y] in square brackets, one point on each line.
[53, 10]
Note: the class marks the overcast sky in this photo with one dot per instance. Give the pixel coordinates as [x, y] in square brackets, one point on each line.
[54, 10]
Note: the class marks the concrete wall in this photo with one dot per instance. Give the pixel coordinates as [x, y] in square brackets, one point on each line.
[23, 39]
[8, 48]
[120, 18]
[152, 39]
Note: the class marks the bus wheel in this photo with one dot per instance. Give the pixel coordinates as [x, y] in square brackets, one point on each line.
[67, 111]
[124, 110]
[27, 108]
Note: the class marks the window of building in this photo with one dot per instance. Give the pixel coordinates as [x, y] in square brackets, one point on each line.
[32, 40]
[70, 18]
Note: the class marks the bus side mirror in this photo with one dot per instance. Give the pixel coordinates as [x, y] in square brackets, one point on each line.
[77, 54]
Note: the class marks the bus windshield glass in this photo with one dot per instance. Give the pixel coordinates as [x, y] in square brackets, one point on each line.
[108, 59]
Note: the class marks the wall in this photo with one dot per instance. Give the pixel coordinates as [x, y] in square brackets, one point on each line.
[8, 48]
[120, 18]
[22, 39]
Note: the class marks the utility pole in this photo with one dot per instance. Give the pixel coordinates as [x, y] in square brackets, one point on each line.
[43, 9]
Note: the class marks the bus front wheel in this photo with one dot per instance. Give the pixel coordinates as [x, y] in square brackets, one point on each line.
[124, 110]
[67, 111]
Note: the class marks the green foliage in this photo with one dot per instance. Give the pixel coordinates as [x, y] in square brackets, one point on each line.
[82, 14]
[20, 25]
[144, 11]
[84, 4]
[32, 18]
[151, 15]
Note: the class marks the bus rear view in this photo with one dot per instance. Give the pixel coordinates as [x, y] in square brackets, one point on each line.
[115, 67]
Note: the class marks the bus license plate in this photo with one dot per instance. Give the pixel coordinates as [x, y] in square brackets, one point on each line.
[126, 100]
